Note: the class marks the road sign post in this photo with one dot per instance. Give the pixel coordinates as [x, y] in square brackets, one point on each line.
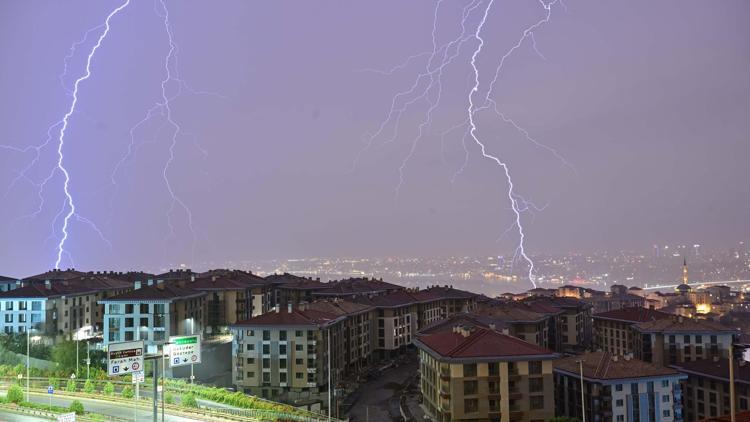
[50, 391]
[137, 378]
[184, 350]
[124, 358]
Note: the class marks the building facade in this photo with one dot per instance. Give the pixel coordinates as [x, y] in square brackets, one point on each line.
[617, 389]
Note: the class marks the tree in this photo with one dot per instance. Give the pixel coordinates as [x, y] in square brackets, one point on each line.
[76, 406]
[188, 400]
[88, 387]
[71, 386]
[109, 389]
[64, 354]
[127, 392]
[15, 394]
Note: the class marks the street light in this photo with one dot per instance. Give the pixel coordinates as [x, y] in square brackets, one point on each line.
[192, 331]
[583, 399]
[28, 351]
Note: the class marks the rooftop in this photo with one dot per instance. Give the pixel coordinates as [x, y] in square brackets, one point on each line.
[677, 324]
[479, 343]
[634, 314]
[56, 275]
[511, 312]
[715, 369]
[296, 317]
[601, 366]
[70, 287]
[356, 286]
[160, 291]
[463, 319]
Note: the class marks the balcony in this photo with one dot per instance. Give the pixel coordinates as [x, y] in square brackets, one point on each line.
[515, 394]
[515, 415]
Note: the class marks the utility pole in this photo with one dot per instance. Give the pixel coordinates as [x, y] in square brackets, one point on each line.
[28, 351]
[88, 360]
[156, 388]
[77, 359]
[583, 397]
[330, 386]
[731, 382]
[192, 331]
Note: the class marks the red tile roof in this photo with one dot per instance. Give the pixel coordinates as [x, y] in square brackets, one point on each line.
[295, 318]
[682, 325]
[605, 366]
[69, 287]
[162, 291]
[227, 281]
[56, 275]
[356, 286]
[718, 369]
[480, 343]
[463, 319]
[633, 315]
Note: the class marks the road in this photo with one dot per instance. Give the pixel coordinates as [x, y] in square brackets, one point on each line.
[377, 400]
[14, 417]
[105, 408]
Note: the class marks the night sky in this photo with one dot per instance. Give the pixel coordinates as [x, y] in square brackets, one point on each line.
[648, 101]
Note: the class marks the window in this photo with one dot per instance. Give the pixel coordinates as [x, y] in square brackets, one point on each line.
[282, 377]
[266, 335]
[536, 385]
[8, 317]
[250, 361]
[310, 377]
[470, 387]
[298, 333]
[298, 375]
[128, 335]
[251, 374]
[282, 335]
[36, 305]
[282, 349]
[665, 383]
[299, 347]
[36, 318]
[282, 363]
[266, 377]
[250, 347]
[9, 305]
[699, 339]
[620, 418]
[129, 322]
[536, 402]
[144, 322]
[619, 403]
[470, 370]
[471, 405]
[299, 361]
[494, 368]
[22, 305]
[686, 339]
[129, 308]
[665, 398]
[250, 333]
[266, 363]
[535, 367]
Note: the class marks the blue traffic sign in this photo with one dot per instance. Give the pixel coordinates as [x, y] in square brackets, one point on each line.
[50, 389]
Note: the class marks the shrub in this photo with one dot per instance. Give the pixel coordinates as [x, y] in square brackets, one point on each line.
[54, 382]
[77, 407]
[15, 394]
[88, 387]
[188, 400]
[109, 389]
[71, 386]
[127, 392]
[168, 398]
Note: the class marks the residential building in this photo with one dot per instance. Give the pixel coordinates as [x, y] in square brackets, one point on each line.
[152, 313]
[8, 283]
[469, 373]
[677, 339]
[706, 388]
[64, 308]
[574, 328]
[395, 321]
[352, 287]
[617, 389]
[613, 332]
[520, 320]
[232, 296]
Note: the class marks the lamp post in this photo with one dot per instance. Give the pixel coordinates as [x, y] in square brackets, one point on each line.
[583, 395]
[28, 351]
[192, 331]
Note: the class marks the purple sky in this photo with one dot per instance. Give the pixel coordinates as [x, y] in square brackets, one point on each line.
[649, 101]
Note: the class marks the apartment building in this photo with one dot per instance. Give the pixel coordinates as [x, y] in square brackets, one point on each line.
[65, 308]
[617, 389]
[678, 339]
[8, 283]
[573, 325]
[618, 297]
[351, 288]
[152, 313]
[706, 388]
[469, 373]
[281, 355]
[231, 296]
[395, 322]
[613, 331]
[521, 321]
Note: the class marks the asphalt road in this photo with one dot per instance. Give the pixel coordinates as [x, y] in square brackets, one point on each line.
[105, 408]
[14, 417]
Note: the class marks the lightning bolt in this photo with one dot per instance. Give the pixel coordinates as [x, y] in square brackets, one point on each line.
[69, 202]
[428, 85]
